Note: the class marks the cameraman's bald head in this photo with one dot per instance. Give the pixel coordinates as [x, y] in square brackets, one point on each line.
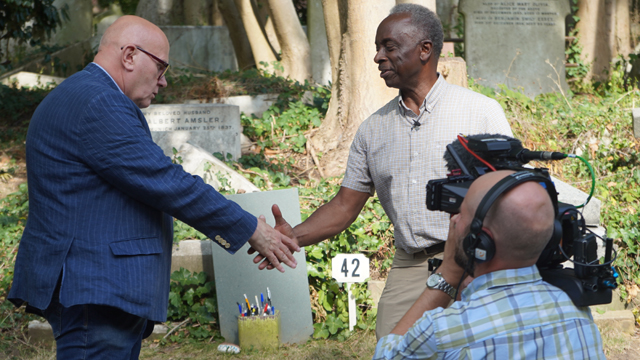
[520, 221]
[133, 51]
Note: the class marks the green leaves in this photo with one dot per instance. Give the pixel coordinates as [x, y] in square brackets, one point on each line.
[192, 299]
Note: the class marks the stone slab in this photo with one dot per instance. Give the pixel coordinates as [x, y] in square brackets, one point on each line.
[620, 320]
[214, 127]
[248, 104]
[636, 122]
[193, 255]
[510, 42]
[30, 79]
[237, 275]
[197, 161]
[207, 48]
[570, 195]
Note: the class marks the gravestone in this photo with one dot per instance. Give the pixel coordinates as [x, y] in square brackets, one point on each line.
[236, 275]
[517, 43]
[213, 127]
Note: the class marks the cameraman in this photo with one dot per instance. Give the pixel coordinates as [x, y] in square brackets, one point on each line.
[507, 311]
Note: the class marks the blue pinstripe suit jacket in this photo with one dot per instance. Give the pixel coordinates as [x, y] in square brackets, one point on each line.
[101, 200]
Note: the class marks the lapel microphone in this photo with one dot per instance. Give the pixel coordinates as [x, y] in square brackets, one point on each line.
[416, 124]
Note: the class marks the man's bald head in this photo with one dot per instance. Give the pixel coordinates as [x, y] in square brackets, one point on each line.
[135, 52]
[130, 29]
[520, 221]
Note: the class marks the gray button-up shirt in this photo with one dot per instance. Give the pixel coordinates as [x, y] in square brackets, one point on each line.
[395, 158]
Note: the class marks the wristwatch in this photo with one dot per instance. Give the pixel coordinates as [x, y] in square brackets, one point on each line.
[436, 281]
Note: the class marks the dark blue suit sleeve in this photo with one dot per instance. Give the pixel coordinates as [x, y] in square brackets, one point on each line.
[120, 149]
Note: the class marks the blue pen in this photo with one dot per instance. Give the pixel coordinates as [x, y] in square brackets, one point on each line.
[261, 300]
[239, 308]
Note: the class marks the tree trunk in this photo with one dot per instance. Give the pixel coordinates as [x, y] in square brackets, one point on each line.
[260, 48]
[196, 12]
[261, 9]
[157, 11]
[429, 4]
[623, 28]
[216, 15]
[333, 27]
[357, 90]
[296, 58]
[317, 33]
[595, 29]
[238, 34]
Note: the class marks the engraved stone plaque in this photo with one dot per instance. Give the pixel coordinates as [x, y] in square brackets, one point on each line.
[213, 127]
[517, 43]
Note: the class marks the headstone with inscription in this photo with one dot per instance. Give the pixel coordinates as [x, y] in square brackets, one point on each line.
[213, 127]
[517, 43]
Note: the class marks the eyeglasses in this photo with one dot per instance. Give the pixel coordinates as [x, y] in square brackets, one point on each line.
[157, 59]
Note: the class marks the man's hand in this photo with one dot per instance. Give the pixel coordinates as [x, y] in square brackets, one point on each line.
[285, 229]
[449, 269]
[273, 246]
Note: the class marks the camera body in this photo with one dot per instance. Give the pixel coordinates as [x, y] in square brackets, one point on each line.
[588, 283]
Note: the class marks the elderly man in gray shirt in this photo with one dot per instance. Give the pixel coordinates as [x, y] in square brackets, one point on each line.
[398, 149]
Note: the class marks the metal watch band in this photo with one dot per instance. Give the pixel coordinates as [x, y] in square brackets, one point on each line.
[444, 286]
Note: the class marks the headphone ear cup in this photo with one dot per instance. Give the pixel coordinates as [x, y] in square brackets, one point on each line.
[468, 245]
[486, 248]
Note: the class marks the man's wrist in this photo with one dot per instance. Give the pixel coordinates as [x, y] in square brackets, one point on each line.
[451, 274]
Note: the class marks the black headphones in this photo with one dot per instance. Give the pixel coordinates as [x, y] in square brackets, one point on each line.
[478, 245]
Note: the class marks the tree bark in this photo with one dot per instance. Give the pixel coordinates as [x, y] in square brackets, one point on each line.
[157, 11]
[261, 9]
[317, 34]
[262, 53]
[296, 53]
[216, 15]
[357, 90]
[238, 34]
[623, 28]
[595, 29]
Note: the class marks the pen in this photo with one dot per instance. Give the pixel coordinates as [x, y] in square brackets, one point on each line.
[240, 308]
[247, 300]
[257, 305]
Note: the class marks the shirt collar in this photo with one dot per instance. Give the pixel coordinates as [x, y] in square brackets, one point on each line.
[502, 278]
[429, 102]
[109, 75]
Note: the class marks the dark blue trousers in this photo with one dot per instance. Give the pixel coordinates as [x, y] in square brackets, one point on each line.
[94, 331]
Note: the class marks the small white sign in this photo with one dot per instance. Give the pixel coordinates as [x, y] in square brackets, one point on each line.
[350, 268]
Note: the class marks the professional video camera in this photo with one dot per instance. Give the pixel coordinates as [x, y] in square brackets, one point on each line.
[589, 282]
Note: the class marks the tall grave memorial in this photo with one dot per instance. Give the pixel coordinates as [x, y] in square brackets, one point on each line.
[517, 43]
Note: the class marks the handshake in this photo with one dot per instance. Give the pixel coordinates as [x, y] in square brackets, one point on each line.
[274, 245]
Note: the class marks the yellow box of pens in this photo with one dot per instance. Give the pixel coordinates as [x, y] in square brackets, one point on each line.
[260, 331]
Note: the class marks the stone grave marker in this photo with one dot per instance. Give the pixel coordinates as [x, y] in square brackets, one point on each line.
[236, 275]
[517, 43]
[213, 127]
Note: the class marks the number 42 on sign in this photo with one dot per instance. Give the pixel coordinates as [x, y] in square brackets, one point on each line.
[350, 268]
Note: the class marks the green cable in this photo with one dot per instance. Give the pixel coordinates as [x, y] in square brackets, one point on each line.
[593, 178]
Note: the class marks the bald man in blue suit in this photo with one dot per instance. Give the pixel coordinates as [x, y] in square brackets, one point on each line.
[95, 255]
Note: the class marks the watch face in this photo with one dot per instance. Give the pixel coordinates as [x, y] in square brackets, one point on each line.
[433, 280]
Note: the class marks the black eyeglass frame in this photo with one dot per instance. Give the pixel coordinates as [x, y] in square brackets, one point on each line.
[157, 59]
